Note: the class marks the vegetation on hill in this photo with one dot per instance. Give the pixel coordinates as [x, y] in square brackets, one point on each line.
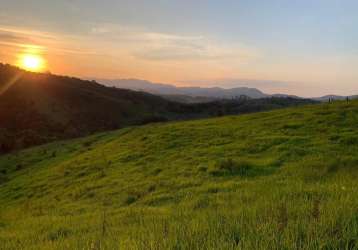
[284, 179]
[38, 108]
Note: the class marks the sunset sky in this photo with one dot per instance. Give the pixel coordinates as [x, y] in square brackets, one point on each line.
[303, 47]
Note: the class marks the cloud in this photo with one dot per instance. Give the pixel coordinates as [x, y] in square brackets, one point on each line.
[194, 50]
[27, 32]
[99, 30]
[21, 39]
[156, 46]
[14, 40]
[29, 40]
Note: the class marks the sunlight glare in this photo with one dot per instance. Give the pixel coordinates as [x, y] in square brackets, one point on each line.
[32, 62]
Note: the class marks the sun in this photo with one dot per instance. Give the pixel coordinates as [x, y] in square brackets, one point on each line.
[32, 62]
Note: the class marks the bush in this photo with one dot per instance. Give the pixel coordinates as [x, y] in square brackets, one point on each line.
[130, 199]
[60, 233]
[3, 178]
[230, 167]
[314, 169]
[349, 140]
[19, 167]
[87, 144]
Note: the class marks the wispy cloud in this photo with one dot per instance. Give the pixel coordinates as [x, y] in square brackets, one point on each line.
[117, 41]
[27, 32]
[7, 37]
[25, 39]
[168, 47]
[155, 46]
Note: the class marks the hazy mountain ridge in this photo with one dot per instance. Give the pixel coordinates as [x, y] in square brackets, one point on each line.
[202, 94]
[326, 98]
[190, 99]
[167, 89]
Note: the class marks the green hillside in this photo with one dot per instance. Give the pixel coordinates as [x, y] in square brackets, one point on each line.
[284, 179]
[40, 108]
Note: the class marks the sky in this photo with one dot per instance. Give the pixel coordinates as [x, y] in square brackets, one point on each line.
[302, 47]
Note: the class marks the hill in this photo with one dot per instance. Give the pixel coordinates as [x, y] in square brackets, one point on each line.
[284, 179]
[38, 108]
[170, 90]
[326, 98]
[190, 99]
[202, 94]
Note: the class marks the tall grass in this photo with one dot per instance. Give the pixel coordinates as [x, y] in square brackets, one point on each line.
[277, 180]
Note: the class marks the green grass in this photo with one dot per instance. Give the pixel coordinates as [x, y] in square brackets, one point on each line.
[284, 179]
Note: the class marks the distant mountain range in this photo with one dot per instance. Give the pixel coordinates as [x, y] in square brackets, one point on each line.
[171, 91]
[326, 98]
[201, 94]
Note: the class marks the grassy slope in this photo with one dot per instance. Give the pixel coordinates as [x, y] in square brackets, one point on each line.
[284, 179]
[40, 108]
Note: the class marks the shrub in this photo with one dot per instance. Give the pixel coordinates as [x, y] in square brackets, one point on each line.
[230, 167]
[157, 171]
[18, 167]
[202, 168]
[130, 199]
[87, 144]
[3, 178]
[151, 188]
[349, 140]
[59, 234]
[314, 169]
[201, 202]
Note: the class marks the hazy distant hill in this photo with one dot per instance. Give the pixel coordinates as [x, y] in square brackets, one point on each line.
[285, 95]
[326, 98]
[190, 99]
[169, 90]
[201, 95]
